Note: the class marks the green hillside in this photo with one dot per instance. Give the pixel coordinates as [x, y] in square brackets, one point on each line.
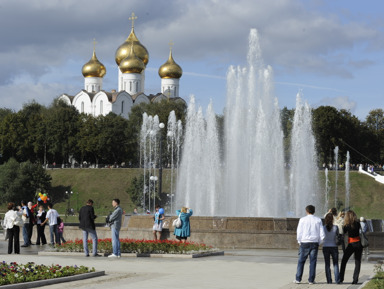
[102, 185]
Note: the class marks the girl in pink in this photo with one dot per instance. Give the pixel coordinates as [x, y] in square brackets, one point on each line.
[60, 228]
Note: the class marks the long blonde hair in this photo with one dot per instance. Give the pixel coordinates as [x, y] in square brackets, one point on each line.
[350, 218]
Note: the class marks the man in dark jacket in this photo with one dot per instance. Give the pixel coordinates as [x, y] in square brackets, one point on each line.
[87, 224]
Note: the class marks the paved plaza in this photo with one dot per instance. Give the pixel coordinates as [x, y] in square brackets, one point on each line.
[261, 269]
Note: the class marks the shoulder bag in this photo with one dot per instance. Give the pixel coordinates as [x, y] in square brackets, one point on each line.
[363, 239]
[177, 222]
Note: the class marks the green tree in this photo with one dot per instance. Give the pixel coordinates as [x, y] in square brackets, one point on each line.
[20, 181]
[375, 123]
[61, 127]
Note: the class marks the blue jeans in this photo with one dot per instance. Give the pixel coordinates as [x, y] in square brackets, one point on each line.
[26, 239]
[334, 252]
[115, 241]
[306, 249]
[54, 233]
[94, 241]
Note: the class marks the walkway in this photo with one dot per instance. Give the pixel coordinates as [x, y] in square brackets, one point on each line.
[261, 269]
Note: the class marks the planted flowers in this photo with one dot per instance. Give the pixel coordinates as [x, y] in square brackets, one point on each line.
[13, 272]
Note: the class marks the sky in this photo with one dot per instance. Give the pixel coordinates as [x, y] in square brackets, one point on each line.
[330, 50]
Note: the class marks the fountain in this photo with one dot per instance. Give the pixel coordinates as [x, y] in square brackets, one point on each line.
[336, 152]
[347, 184]
[250, 179]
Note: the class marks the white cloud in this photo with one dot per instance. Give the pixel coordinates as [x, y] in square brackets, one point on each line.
[340, 102]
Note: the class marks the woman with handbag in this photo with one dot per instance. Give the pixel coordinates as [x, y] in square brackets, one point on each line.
[184, 231]
[330, 248]
[352, 228]
[13, 221]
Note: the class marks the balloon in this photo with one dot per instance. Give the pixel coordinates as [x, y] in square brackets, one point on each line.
[161, 211]
[45, 201]
[45, 195]
[40, 194]
[48, 199]
[39, 199]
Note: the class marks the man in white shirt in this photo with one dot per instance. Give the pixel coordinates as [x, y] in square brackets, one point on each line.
[52, 216]
[310, 234]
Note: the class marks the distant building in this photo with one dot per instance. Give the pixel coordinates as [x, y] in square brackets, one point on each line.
[131, 58]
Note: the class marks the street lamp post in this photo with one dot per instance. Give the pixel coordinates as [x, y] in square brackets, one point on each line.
[161, 126]
[154, 179]
[69, 201]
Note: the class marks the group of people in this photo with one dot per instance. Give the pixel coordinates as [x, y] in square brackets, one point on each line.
[26, 216]
[181, 233]
[87, 225]
[311, 233]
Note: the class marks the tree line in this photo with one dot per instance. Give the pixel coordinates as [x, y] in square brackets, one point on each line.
[57, 133]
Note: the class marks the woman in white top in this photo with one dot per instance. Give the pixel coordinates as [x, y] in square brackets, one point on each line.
[12, 221]
[330, 249]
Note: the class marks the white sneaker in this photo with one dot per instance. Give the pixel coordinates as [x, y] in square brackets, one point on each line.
[296, 282]
[311, 283]
[112, 256]
[119, 256]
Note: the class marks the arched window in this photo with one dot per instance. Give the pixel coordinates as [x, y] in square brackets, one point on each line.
[130, 86]
[137, 86]
[122, 107]
[175, 92]
[101, 107]
[82, 107]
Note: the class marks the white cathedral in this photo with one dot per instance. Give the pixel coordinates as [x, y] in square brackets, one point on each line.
[131, 58]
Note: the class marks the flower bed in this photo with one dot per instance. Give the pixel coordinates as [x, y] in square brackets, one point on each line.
[18, 273]
[137, 246]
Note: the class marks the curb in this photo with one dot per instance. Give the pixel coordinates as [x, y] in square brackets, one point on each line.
[46, 282]
[138, 255]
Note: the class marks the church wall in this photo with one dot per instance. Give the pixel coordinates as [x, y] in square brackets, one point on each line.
[82, 102]
[101, 104]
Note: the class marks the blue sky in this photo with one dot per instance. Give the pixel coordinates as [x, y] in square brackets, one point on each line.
[331, 50]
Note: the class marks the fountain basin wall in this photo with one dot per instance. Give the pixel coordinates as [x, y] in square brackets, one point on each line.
[223, 232]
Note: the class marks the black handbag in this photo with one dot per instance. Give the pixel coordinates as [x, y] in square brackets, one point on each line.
[363, 239]
[339, 239]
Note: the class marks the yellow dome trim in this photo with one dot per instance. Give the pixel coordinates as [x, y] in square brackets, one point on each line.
[132, 64]
[170, 69]
[94, 68]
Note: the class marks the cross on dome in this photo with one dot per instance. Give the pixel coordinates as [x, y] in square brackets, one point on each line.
[133, 17]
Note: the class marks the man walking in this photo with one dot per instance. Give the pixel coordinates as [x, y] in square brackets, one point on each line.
[52, 216]
[87, 225]
[115, 220]
[310, 234]
[27, 218]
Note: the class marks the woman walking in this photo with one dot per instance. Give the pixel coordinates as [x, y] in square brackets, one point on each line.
[184, 231]
[12, 221]
[330, 249]
[352, 228]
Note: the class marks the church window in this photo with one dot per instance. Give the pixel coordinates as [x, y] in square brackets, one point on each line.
[174, 94]
[122, 107]
[101, 107]
[130, 86]
[137, 86]
[82, 107]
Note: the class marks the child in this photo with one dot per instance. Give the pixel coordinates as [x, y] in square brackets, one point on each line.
[61, 229]
[158, 224]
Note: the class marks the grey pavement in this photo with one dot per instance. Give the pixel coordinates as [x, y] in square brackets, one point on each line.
[262, 269]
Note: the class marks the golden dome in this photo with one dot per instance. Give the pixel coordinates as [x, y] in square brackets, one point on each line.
[94, 68]
[123, 51]
[170, 69]
[131, 64]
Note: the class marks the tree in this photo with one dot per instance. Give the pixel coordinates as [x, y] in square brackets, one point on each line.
[21, 181]
[375, 123]
[61, 126]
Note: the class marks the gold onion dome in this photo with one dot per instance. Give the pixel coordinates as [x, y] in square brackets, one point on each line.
[132, 64]
[123, 50]
[170, 69]
[94, 68]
